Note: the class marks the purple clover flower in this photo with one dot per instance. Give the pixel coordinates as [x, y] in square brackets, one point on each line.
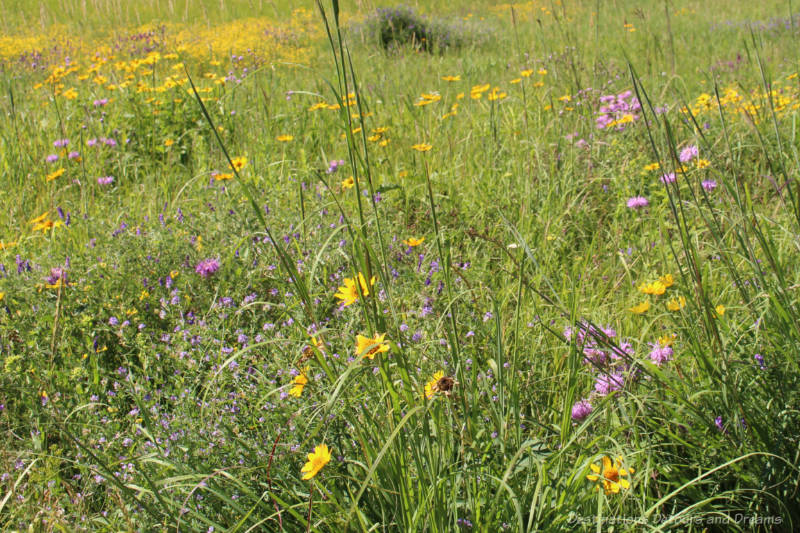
[207, 267]
[688, 153]
[581, 410]
[637, 202]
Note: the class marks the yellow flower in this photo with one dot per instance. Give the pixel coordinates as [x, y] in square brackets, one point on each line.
[640, 308]
[451, 78]
[657, 288]
[703, 163]
[348, 294]
[238, 163]
[676, 304]
[168, 143]
[284, 138]
[2, 295]
[612, 475]
[542, 72]
[526, 73]
[413, 241]
[222, 176]
[57, 174]
[430, 387]
[369, 347]
[299, 382]
[422, 147]
[652, 166]
[667, 340]
[667, 280]
[4, 245]
[316, 460]
[348, 183]
[720, 309]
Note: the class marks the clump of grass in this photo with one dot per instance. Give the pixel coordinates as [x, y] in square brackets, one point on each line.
[392, 28]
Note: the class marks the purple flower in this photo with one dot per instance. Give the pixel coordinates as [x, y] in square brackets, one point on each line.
[581, 410]
[105, 180]
[74, 155]
[688, 153]
[709, 185]
[668, 178]
[52, 158]
[100, 102]
[56, 273]
[637, 202]
[660, 354]
[60, 143]
[207, 267]
[608, 383]
[760, 360]
[719, 424]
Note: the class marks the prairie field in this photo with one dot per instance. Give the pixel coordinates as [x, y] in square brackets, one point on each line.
[360, 266]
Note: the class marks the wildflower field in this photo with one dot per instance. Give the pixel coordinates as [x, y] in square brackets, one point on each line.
[346, 266]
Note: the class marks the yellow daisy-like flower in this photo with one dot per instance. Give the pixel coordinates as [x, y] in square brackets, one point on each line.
[299, 382]
[168, 143]
[526, 73]
[223, 176]
[348, 293]
[370, 347]
[2, 295]
[451, 78]
[430, 387]
[284, 138]
[720, 309]
[652, 166]
[4, 245]
[656, 288]
[238, 163]
[422, 147]
[703, 163]
[676, 304]
[667, 280]
[348, 183]
[612, 476]
[316, 460]
[413, 241]
[56, 174]
[640, 308]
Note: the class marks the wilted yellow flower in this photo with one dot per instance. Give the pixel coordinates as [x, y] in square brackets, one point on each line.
[316, 460]
[612, 475]
[299, 382]
[640, 308]
[369, 347]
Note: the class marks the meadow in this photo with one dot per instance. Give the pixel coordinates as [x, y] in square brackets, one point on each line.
[445, 266]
